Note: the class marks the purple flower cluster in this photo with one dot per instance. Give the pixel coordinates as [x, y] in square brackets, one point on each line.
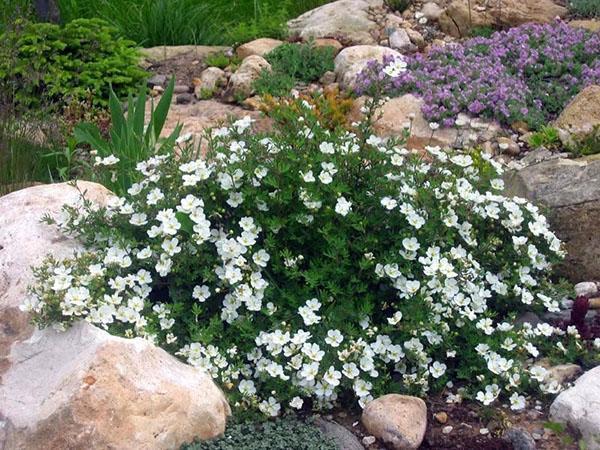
[526, 73]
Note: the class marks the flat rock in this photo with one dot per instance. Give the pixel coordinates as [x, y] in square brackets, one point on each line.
[579, 407]
[24, 241]
[84, 388]
[398, 420]
[456, 20]
[352, 60]
[570, 188]
[164, 52]
[345, 20]
[258, 47]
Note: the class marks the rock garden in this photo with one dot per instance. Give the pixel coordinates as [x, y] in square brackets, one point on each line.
[351, 224]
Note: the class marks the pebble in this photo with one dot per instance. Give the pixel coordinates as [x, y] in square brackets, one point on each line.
[181, 89]
[447, 429]
[184, 99]
[441, 417]
[484, 431]
[368, 440]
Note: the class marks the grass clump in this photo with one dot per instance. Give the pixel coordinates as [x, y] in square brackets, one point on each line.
[42, 63]
[547, 137]
[281, 434]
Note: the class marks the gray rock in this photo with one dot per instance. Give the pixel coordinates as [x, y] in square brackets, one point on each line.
[181, 89]
[241, 82]
[400, 40]
[519, 439]
[579, 407]
[570, 189]
[211, 79]
[344, 439]
[184, 99]
[528, 317]
[352, 60]
[157, 80]
[431, 11]
[588, 288]
[345, 20]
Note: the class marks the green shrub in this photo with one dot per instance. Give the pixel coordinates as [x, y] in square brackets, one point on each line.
[292, 64]
[547, 137]
[222, 60]
[45, 63]
[585, 8]
[308, 266]
[13, 11]
[398, 5]
[303, 62]
[280, 434]
[132, 141]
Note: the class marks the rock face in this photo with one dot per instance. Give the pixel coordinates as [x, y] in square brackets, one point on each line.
[456, 21]
[24, 241]
[398, 420]
[571, 191]
[240, 83]
[352, 60]
[258, 47]
[581, 115]
[579, 407]
[345, 20]
[86, 389]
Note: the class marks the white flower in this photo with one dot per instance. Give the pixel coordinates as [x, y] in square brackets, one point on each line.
[332, 376]
[201, 293]
[517, 402]
[350, 370]
[325, 177]
[327, 148]
[343, 206]
[389, 203]
[296, 403]
[334, 338]
[184, 138]
[395, 68]
[308, 177]
[270, 407]
[437, 369]
[397, 317]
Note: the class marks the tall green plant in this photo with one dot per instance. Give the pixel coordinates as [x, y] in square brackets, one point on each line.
[131, 139]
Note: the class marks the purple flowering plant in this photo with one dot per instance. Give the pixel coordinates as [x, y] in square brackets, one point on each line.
[526, 73]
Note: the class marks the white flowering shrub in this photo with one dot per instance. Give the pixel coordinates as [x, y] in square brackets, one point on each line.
[310, 266]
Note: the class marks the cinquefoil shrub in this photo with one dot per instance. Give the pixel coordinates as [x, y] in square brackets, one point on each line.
[309, 266]
[527, 73]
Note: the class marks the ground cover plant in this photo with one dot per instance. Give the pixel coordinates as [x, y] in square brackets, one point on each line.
[526, 73]
[45, 64]
[318, 265]
[584, 8]
[281, 434]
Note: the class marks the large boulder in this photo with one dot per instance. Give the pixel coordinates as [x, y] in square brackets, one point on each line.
[570, 189]
[579, 407]
[458, 21]
[398, 420]
[24, 241]
[352, 60]
[84, 388]
[345, 20]
[258, 47]
[580, 116]
[241, 82]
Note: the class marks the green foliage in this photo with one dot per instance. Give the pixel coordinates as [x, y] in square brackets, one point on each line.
[485, 31]
[276, 84]
[12, 11]
[46, 63]
[174, 22]
[584, 8]
[398, 5]
[280, 434]
[292, 64]
[131, 140]
[222, 60]
[303, 62]
[547, 136]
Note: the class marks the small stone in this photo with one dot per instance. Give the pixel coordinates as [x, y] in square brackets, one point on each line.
[519, 439]
[369, 440]
[184, 99]
[447, 429]
[587, 288]
[441, 417]
[416, 38]
[329, 42]
[563, 373]
[400, 40]
[484, 431]
[157, 80]
[327, 78]
[431, 11]
[253, 103]
[344, 438]
[508, 146]
[181, 89]
[536, 436]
